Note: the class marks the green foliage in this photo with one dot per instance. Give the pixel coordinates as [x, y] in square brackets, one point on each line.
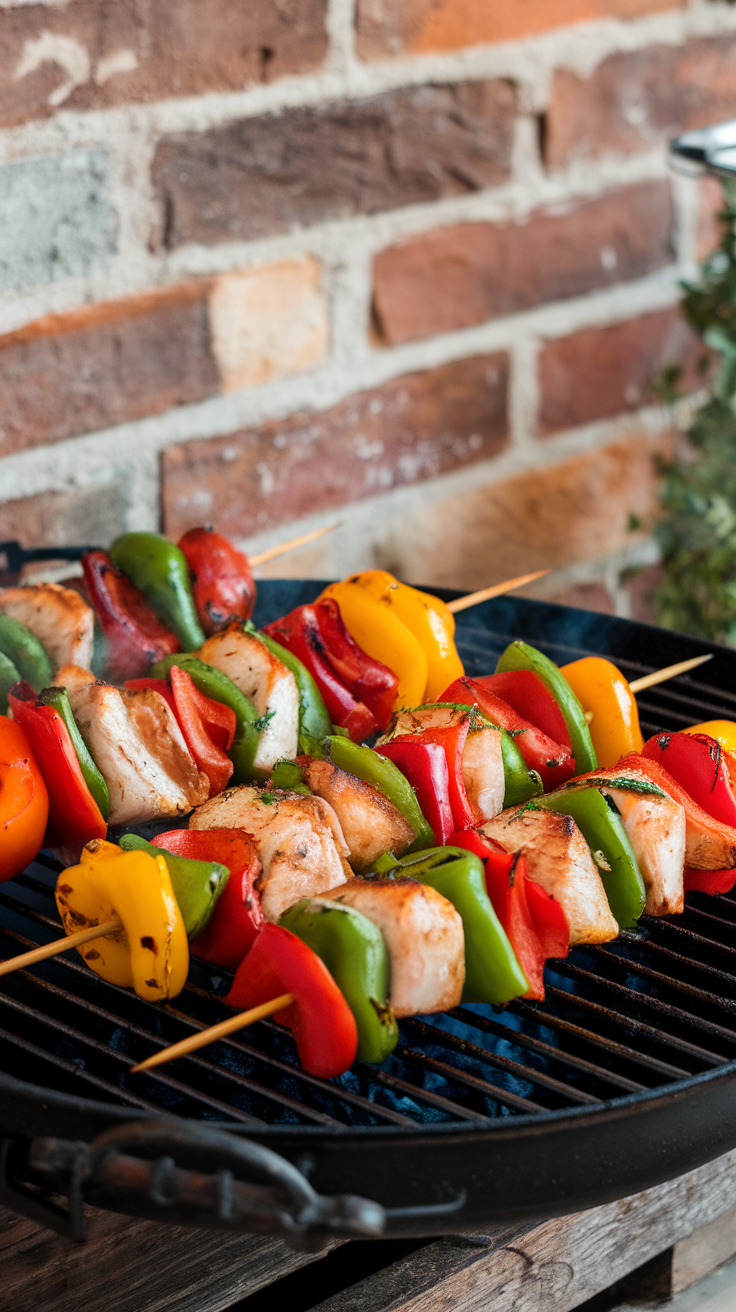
[697, 537]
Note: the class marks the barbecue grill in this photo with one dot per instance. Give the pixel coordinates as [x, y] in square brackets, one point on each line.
[622, 1078]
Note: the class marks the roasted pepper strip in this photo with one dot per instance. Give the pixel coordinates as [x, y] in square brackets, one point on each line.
[369, 680]
[425, 766]
[696, 763]
[492, 972]
[381, 634]
[531, 699]
[520, 656]
[602, 828]
[383, 774]
[222, 582]
[150, 952]
[203, 722]
[160, 571]
[217, 686]
[299, 633]
[323, 1024]
[314, 722]
[708, 881]
[424, 615]
[354, 952]
[724, 732]
[74, 816]
[535, 923]
[236, 917]
[58, 698]
[24, 800]
[197, 885]
[609, 707]
[26, 653]
[550, 760]
[135, 638]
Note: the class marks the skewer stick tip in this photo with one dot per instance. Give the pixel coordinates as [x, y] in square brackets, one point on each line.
[212, 1033]
[301, 541]
[496, 590]
[669, 672]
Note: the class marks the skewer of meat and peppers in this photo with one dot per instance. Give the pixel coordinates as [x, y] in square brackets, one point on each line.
[495, 822]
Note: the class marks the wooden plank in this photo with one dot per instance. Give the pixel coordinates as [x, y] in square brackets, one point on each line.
[550, 1267]
[135, 1266]
[700, 1253]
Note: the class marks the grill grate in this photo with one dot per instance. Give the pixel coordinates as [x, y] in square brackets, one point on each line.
[638, 1015]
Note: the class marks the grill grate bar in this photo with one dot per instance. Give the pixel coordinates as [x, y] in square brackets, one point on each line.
[527, 1073]
[398, 1085]
[73, 1068]
[721, 979]
[522, 1040]
[550, 1021]
[640, 1028]
[668, 981]
[454, 1075]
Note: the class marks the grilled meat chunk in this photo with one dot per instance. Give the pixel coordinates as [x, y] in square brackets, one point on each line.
[299, 841]
[482, 756]
[559, 859]
[57, 616]
[424, 936]
[269, 685]
[709, 844]
[137, 744]
[370, 822]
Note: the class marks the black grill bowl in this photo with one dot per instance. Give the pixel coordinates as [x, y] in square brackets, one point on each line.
[624, 1077]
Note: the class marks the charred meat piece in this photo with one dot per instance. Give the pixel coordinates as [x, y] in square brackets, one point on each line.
[57, 616]
[264, 679]
[299, 841]
[136, 742]
[424, 936]
[559, 859]
[370, 822]
[482, 755]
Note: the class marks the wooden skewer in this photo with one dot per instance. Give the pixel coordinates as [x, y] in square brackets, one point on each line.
[669, 672]
[498, 589]
[59, 945]
[214, 1032]
[291, 545]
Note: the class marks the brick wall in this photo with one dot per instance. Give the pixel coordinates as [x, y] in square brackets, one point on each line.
[408, 264]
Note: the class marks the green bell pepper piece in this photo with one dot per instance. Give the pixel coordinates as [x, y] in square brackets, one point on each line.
[197, 884]
[26, 653]
[213, 683]
[354, 952]
[159, 570]
[602, 828]
[93, 777]
[9, 676]
[520, 783]
[520, 656]
[386, 777]
[287, 774]
[314, 721]
[492, 972]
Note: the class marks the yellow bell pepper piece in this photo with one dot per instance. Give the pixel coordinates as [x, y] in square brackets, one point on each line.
[428, 618]
[150, 953]
[381, 634]
[609, 705]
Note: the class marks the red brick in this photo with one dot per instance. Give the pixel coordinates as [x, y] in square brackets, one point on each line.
[87, 54]
[638, 99]
[410, 429]
[88, 516]
[400, 27]
[601, 372]
[641, 584]
[270, 174]
[105, 364]
[453, 277]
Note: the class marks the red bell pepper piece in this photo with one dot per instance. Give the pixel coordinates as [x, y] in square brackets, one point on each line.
[704, 827]
[452, 738]
[237, 918]
[221, 577]
[709, 881]
[208, 728]
[696, 762]
[424, 764]
[74, 816]
[525, 692]
[299, 633]
[535, 923]
[553, 762]
[320, 1018]
[136, 638]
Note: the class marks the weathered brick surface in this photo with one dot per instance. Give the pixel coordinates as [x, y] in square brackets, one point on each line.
[577, 510]
[270, 174]
[641, 585]
[102, 365]
[412, 428]
[88, 516]
[601, 372]
[586, 596]
[55, 217]
[268, 322]
[453, 277]
[635, 100]
[399, 27]
[91, 53]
